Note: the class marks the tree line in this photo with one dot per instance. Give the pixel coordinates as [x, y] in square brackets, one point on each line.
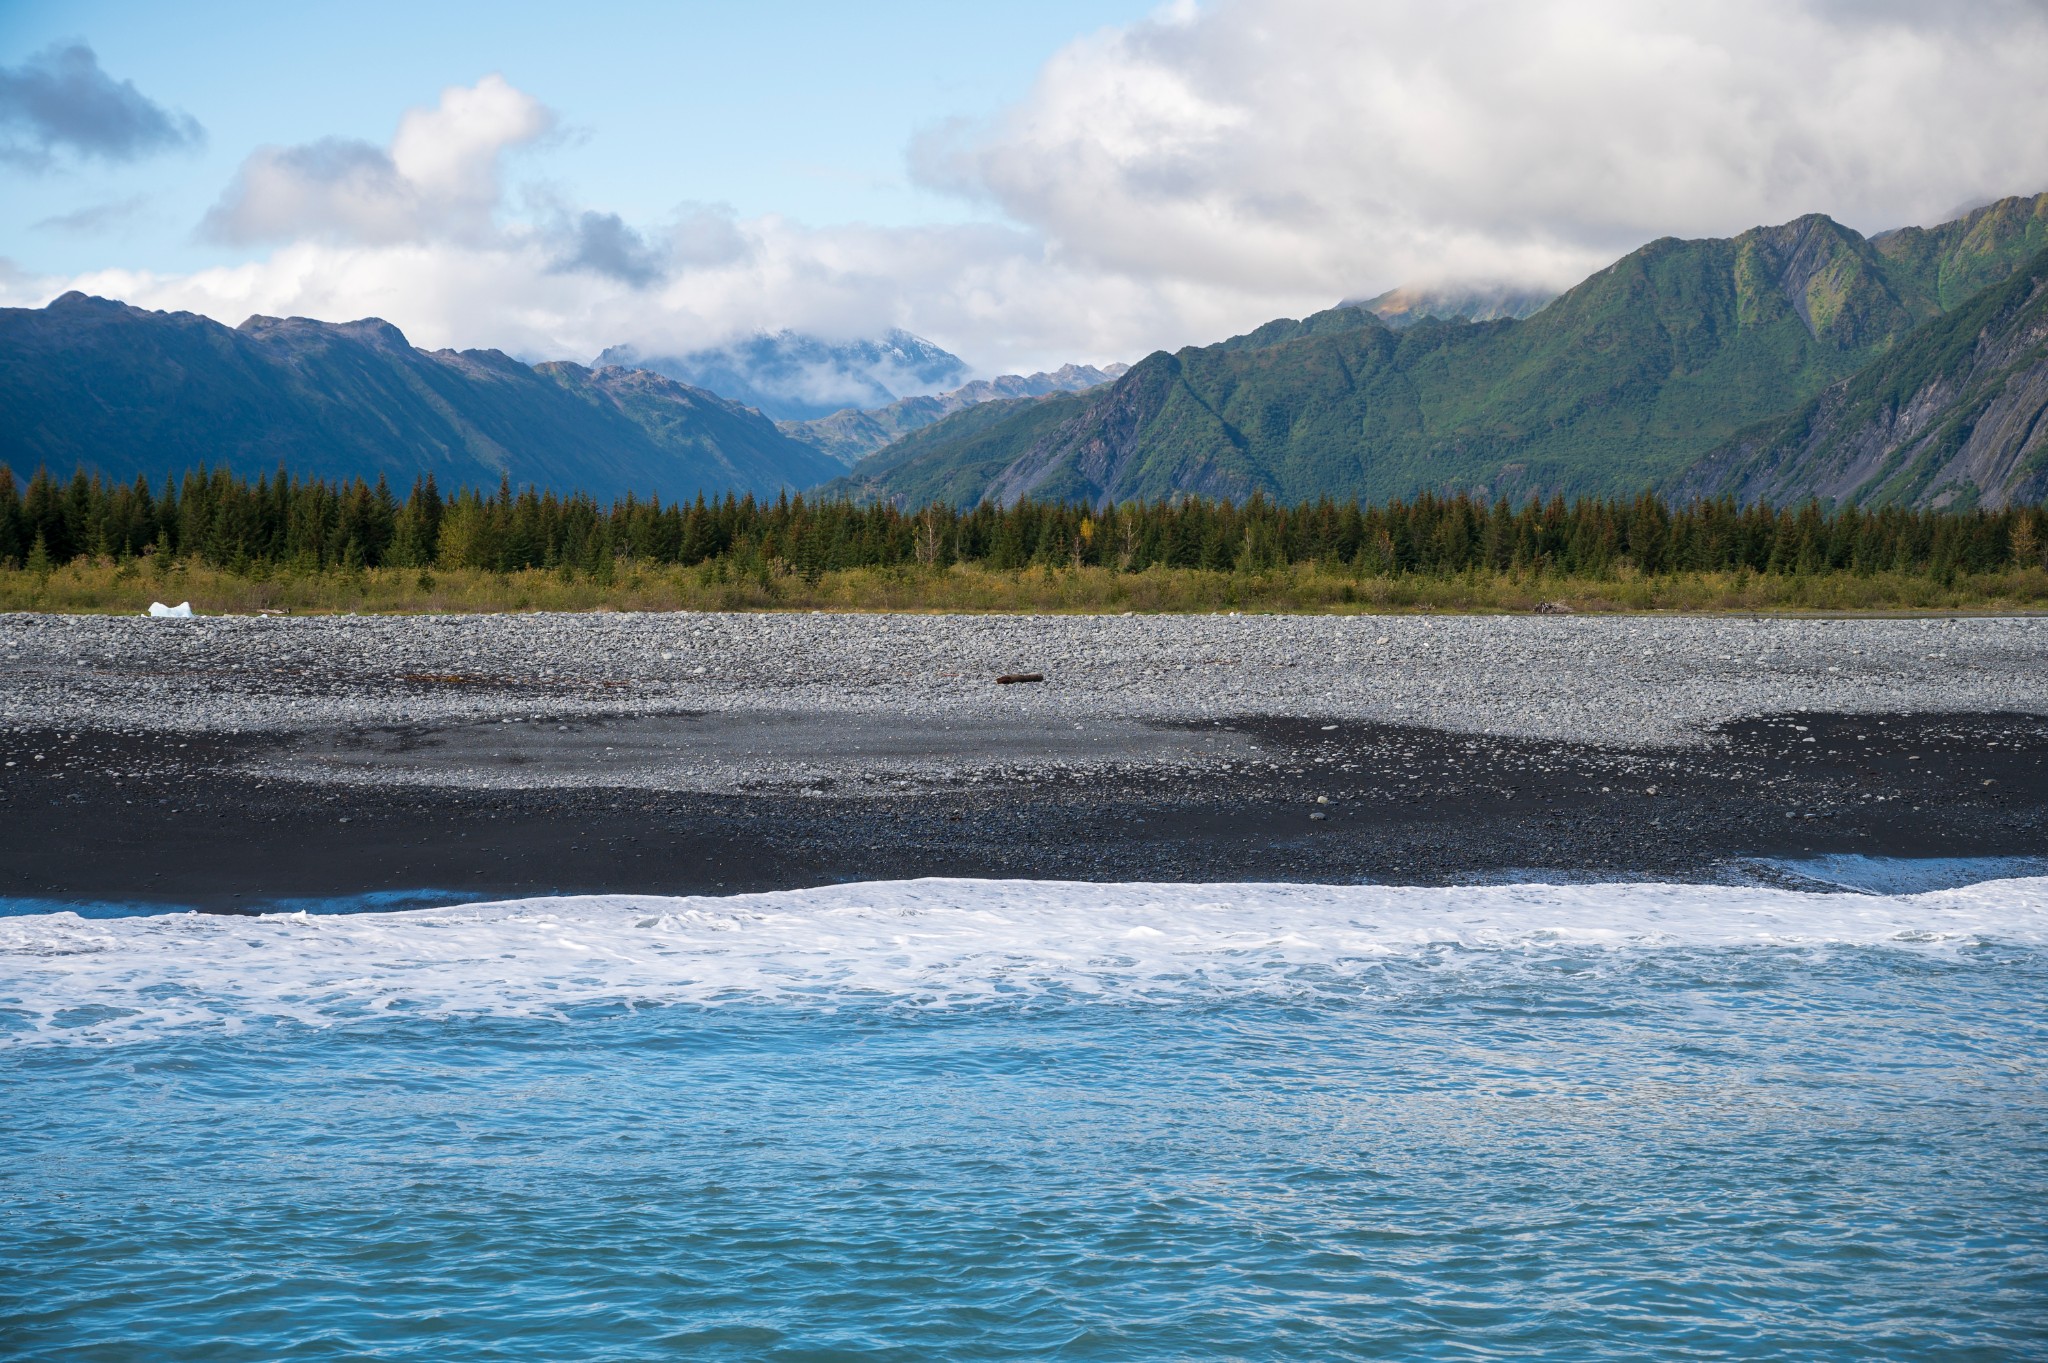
[313, 525]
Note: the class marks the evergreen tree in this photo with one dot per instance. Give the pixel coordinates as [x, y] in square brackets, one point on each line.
[13, 546]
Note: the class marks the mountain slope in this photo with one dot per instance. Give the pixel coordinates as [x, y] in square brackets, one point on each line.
[1619, 384]
[1951, 263]
[790, 376]
[1616, 384]
[86, 381]
[955, 458]
[1956, 416]
[850, 434]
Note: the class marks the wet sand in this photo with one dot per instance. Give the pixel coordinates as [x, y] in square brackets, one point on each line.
[689, 803]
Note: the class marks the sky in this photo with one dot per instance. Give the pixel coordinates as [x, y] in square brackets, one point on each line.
[1025, 184]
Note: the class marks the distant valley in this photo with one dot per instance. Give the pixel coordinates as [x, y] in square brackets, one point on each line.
[851, 434]
[790, 376]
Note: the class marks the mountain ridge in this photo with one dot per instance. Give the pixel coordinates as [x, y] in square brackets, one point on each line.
[99, 384]
[1953, 261]
[1955, 416]
[1791, 360]
[1618, 384]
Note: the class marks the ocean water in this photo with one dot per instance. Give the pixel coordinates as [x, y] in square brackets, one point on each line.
[980, 1120]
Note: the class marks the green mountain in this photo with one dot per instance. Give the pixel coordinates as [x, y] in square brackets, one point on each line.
[1619, 384]
[1956, 415]
[955, 458]
[99, 384]
[1955, 261]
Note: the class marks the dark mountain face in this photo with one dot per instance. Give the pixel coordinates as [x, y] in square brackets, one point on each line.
[1957, 415]
[794, 377]
[1619, 384]
[90, 382]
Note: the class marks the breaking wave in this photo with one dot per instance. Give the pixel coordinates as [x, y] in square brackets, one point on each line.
[922, 944]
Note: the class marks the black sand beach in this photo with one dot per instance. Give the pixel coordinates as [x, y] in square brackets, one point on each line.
[228, 763]
[204, 820]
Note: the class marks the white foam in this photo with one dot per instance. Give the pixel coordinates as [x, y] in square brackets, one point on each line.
[929, 943]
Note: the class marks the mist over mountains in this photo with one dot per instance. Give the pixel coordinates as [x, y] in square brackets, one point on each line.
[1405, 306]
[789, 376]
[850, 434]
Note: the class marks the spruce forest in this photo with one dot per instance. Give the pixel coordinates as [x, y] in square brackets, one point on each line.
[280, 529]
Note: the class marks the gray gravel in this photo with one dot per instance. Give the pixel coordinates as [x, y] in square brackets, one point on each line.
[751, 751]
[1602, 679]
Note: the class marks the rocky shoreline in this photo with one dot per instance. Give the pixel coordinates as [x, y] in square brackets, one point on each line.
[1598, 679]
[236, 764]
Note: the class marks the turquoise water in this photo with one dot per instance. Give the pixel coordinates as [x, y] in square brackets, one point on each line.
[961, 1120]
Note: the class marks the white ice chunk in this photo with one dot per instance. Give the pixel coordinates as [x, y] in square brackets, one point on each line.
[159, 611]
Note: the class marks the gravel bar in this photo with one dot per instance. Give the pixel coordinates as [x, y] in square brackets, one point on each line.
[240, 764]
[1617, 680]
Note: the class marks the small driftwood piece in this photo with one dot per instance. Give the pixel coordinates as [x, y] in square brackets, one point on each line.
[1012, 678]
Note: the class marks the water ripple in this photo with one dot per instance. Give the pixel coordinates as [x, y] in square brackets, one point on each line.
[1500, 1135]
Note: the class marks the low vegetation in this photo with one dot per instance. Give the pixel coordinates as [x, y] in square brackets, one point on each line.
[86, 586]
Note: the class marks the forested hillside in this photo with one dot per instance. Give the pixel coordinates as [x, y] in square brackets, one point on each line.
[1622, 383]
[87, 382]
[1790, 361]
[1955, 416]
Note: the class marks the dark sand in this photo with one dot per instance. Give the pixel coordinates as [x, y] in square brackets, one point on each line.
[205, 821]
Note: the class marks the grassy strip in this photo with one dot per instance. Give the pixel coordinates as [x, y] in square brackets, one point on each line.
[87, 587]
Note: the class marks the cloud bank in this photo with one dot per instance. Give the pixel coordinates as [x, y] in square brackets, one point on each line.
[61, 101]
[1188, 176]
[1325, 144]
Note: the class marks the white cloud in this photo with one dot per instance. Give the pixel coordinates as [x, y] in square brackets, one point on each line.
[1332, 145]
[978, 290]
[439, 178]
[1185, 177]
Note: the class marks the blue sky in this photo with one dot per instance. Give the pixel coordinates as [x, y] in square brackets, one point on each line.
[1025, 184]
[802, 109]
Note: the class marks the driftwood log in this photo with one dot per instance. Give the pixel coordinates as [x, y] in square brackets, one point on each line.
[1012, 678]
